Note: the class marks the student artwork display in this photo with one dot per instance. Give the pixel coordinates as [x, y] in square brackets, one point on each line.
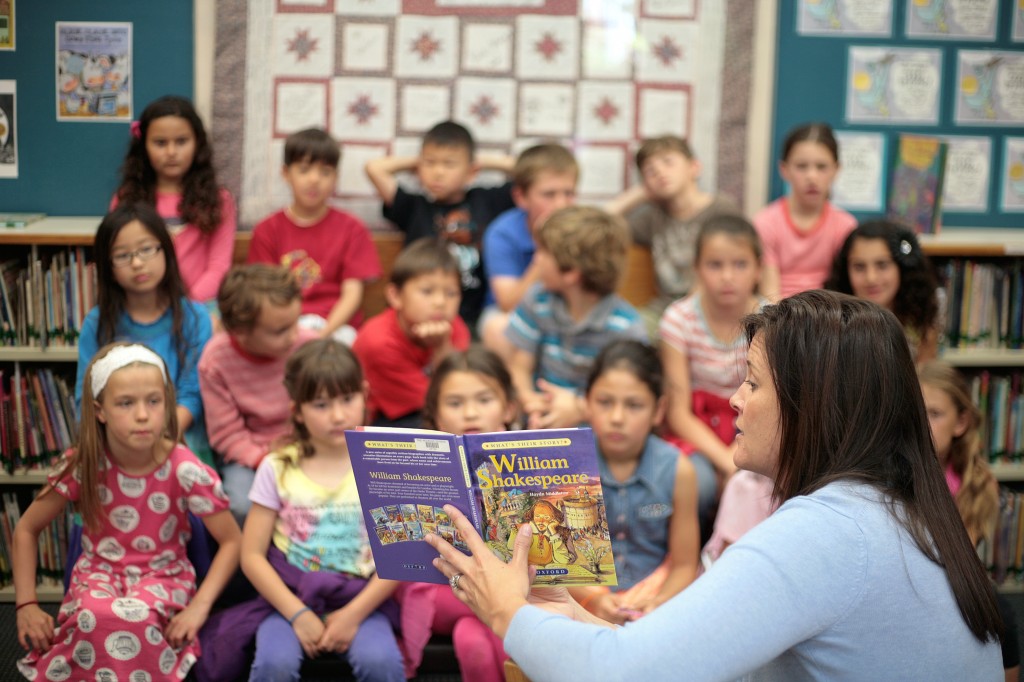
[377, 74]
[893, 85]
[1017, 35]
[845, 17]
[8, 137]
[7, 24]
[952, 19]
[990, 88]
[860, 184]
[94, 71]
[1012, 181]
[967, 174]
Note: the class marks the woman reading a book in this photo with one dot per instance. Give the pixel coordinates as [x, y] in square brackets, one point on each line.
[864, 572]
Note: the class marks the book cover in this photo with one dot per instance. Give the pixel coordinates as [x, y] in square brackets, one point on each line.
[915, 187]
[547, 478]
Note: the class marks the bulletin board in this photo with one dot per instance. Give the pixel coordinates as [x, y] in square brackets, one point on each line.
[874, 69]
[597, 77]
[71, 167]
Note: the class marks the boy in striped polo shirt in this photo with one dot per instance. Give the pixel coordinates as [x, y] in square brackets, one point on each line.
[566, 319]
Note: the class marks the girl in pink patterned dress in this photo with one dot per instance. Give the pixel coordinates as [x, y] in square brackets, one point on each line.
[132, 610]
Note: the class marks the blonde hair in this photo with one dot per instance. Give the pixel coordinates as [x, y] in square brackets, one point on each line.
[978, 497]
[86, 460]
[543, 158]
[589, 240]
[247, 287]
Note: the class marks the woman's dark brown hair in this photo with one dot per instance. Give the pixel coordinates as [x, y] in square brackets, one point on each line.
[850, 408]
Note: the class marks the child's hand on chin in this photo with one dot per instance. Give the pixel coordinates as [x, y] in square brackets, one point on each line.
[432, 332]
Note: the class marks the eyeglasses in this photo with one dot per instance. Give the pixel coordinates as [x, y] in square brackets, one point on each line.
[125, 258]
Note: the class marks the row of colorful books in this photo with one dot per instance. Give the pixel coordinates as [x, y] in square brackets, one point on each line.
[984, 304]
[43, 303]
[53, 543]
[1001, 401]
[37, 418]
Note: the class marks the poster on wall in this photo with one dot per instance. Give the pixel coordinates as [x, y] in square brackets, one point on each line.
[1017, 35]
[952, 19]
[990, 88]
[6, 25]
[1012, 181]
[844, 18]
[893, 85]
[967, 174]
[8, 138]
[94, 69]
[860, 184]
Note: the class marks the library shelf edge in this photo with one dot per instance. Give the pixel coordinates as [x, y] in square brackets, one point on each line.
[37, 354]
[49, 591]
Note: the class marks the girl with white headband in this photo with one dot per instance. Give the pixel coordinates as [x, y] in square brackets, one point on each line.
[132, 606]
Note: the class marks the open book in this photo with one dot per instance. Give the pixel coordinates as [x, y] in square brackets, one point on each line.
[548, 478]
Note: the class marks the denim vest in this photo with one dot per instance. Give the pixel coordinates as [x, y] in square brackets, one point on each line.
[639, 511]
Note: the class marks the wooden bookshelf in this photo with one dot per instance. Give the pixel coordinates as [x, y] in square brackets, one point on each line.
[983, 357]
[974, 242]
[53, 231]
[33, 354]
[48, 592]
[1008, 471]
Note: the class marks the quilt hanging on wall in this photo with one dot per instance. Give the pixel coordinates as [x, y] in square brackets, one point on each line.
[596, 76]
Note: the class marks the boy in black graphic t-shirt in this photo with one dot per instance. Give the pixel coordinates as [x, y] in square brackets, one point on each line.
[448, 208]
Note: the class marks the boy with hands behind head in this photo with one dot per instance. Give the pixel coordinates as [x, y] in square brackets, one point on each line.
[448, 207]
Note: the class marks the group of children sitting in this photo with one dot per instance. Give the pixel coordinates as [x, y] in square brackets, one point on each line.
[264, 403]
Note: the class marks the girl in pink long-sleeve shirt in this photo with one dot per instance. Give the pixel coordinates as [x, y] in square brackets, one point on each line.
[169, 165]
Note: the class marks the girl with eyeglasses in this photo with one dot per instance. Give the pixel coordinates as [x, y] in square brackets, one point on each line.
[141, 298]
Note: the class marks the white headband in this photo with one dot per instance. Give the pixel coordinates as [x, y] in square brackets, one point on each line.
[119, 357]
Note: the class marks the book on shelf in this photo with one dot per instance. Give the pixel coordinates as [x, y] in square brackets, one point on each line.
[915, 187]
[547, 478]
[37, 419]
[44, 302]
[15, 220]
[984, 304]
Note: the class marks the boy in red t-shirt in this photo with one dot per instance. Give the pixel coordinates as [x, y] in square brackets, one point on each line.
[330, 252]
[399, 348]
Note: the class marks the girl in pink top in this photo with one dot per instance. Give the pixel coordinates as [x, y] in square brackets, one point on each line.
[169, 165]
[471, 392]
[802, 231]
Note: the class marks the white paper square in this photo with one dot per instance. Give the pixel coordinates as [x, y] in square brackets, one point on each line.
[1012, 182]
[682, 9]
[426, 47]
[363, 108]
[547, 48]
[487, 106]
[368, 8]
[364, 47]
[667, 51]
[607, 51]
[406, 146]
[545, 109]
[298, 106]
[602, 171]
[663, 112]
[303, 45]
[487, 47]
[279, 192]
[425, 105]
[303, 3]
[352, 180]
[605, 111]
[968, 169]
